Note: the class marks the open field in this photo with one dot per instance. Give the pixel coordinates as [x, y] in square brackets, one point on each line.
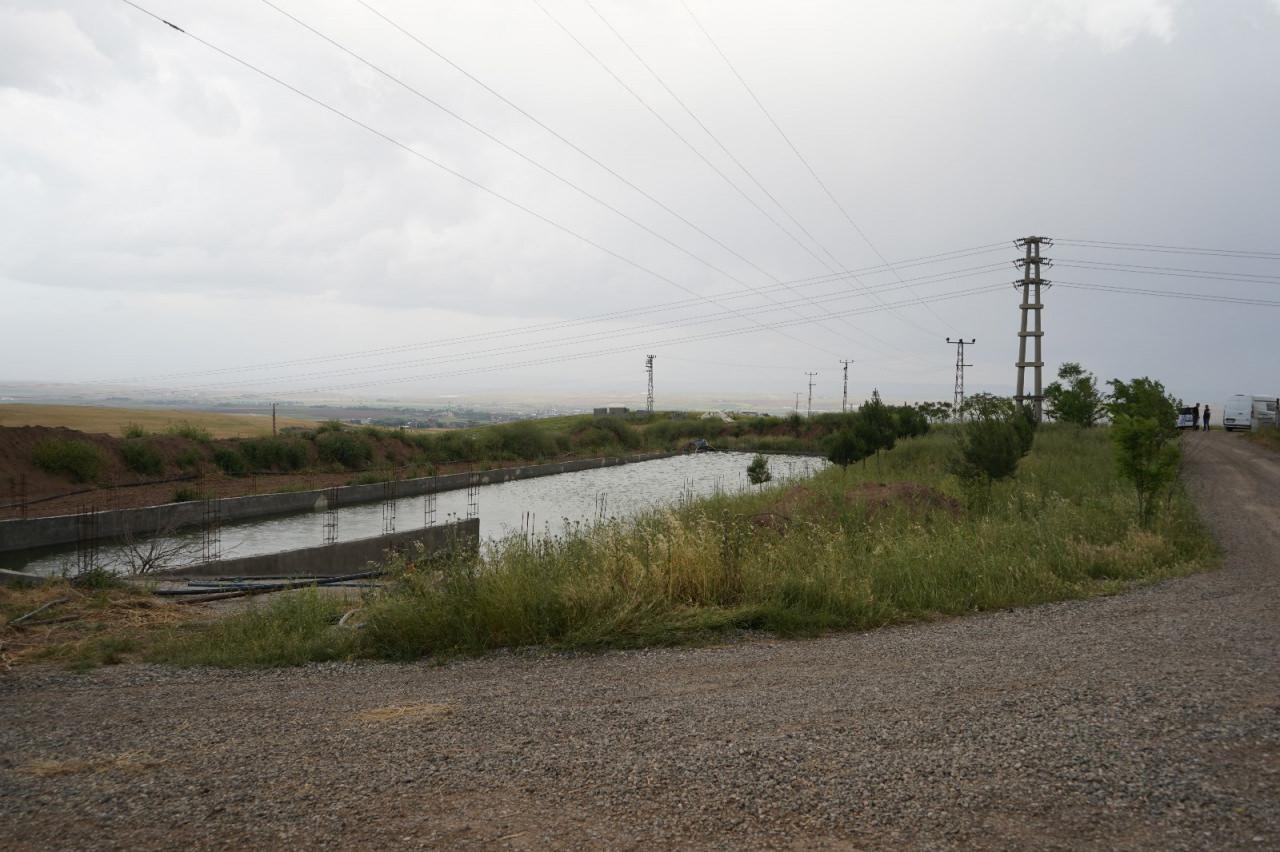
[113, 421]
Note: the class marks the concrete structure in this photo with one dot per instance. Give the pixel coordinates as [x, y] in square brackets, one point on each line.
[62, 529]
[344, 557]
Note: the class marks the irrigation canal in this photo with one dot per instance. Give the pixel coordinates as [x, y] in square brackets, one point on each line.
[538, 506]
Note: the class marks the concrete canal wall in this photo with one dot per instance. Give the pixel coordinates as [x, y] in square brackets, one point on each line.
[66, 529]
[343, 557]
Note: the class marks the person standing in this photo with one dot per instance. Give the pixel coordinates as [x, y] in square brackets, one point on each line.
[1206, 418]
[1196, 415]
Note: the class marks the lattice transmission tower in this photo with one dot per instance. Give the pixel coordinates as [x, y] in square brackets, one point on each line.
[957, 400]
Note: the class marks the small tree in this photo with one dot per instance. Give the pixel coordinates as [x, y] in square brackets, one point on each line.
[1144, 430]
[847, 447]
[995, 436]
[1075, 397]
[758, 470]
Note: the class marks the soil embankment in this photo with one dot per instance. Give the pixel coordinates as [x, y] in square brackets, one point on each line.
[1147, 720]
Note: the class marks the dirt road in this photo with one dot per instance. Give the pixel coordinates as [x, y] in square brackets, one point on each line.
[1149, 720]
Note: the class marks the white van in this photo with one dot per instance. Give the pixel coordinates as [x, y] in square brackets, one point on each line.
[1246, 412]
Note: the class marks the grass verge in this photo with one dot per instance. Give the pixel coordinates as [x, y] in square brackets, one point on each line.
[884, 542]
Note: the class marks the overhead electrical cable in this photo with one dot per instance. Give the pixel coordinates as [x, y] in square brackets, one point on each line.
[507, 365]
[1170, 294]
[716, 169]
[1247, 254]
[1169, 271]
[835, 263]
[427, 159]
[790, 144]
[612, 333]
[529, 329]
[522, 155]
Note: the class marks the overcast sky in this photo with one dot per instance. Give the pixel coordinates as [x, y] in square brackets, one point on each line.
[168, 211]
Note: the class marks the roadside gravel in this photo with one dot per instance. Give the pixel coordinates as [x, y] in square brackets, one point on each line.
[1147, 720]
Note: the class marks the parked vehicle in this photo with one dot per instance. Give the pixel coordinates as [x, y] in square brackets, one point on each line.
[1244, 412]
[1187, 418]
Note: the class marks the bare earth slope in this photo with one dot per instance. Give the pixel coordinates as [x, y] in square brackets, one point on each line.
[1148, 720]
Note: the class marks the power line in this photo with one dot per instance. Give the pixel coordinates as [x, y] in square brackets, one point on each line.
[795, 150]
[1173, 249]
[529, 346]
[682, 138]
[1173, 272]
[517, 152]
[724, 148]
[540, 327]
[416, 153]
[1169, 294]
[716, 335]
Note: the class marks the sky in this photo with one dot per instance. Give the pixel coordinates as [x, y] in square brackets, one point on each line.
[520, 200]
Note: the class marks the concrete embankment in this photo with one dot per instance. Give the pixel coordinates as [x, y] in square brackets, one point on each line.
[343, 557]
[66, 529]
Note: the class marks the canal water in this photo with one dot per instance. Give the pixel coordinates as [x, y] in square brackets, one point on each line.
[532, 506]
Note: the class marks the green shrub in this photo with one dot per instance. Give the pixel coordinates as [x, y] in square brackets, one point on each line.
[134, 430]
[187, 494]
[758, 471]
[275, 453]
[189, 459]
[142, 456]
[348, 449]
[80, 460]
[231, 461]
[189, 430]
[524, 440]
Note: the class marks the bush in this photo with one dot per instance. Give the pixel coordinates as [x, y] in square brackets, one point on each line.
[524, 440]
[189, 459]
[348, 449]
[141, 456]
[187, 429]
[80, 460]
[286, 454]
[232, 462]
[1147, 457]
[187, 494]
[134, 430]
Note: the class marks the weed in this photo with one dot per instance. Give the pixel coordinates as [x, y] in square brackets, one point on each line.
[352, 451]
[141, 456]
[191, 431]
[187, 494]
[80, 460]
[231, 461]
[134, 430]
[294, 628]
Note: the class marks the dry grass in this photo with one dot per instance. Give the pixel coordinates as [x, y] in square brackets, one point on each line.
[406, 712]
[1269, 438]
[131, 762]
[92, 627]
[113, 421]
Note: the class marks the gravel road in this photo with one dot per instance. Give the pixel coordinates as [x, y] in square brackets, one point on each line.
[1150, 720]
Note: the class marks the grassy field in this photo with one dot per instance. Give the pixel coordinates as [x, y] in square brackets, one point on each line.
[113, 421]
[884, 542]
[1269, 438]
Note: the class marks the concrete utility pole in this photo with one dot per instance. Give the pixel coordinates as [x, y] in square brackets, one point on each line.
[273, 419]
[844, 400]
[648, 366]
[1031, 285]
[958, 398]
[809, 410]
[797, 402]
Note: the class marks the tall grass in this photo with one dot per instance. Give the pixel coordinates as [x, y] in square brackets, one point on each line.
[839, 552]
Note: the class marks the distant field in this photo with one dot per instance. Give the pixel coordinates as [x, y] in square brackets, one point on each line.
[92, 418]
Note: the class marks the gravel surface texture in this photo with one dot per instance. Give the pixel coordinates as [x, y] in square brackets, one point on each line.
[1148, 720]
